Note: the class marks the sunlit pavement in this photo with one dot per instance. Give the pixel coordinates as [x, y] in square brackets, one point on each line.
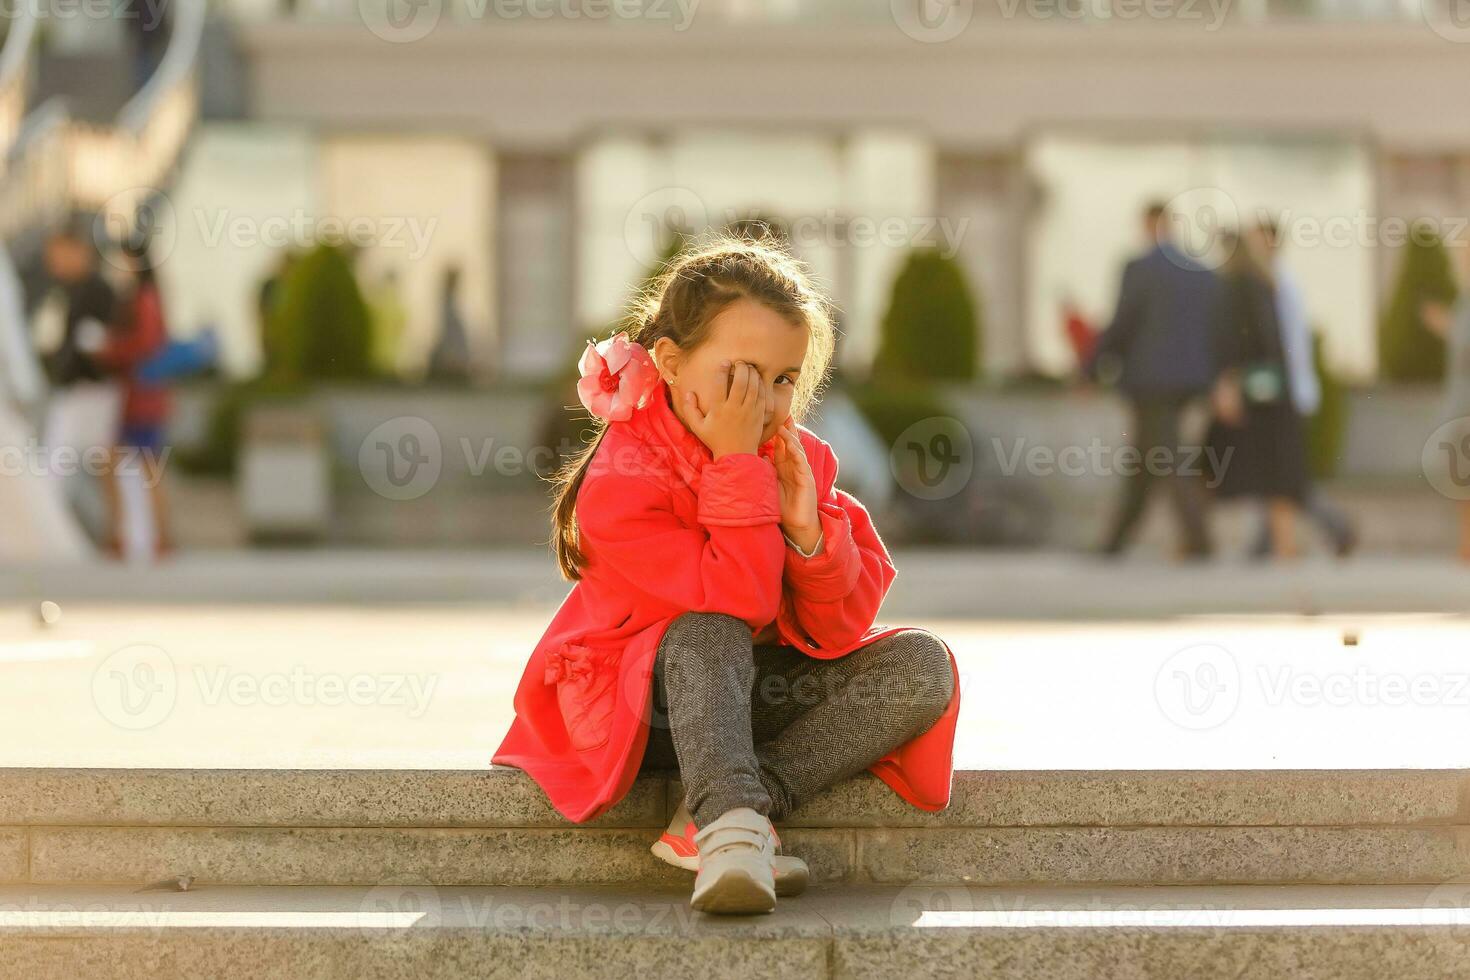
[429, 686]
[930, 583]
[648, 911]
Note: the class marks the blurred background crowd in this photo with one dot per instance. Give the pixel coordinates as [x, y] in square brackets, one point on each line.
[318, 272]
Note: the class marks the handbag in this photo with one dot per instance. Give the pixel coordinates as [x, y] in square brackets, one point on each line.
[1263, 383]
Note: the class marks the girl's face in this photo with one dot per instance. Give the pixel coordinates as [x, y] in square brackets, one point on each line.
[743, 331]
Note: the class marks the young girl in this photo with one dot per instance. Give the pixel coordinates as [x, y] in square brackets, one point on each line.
[723, 617]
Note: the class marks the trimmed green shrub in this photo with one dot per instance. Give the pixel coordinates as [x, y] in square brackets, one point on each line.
[892, 407]
[932, 329]
[1407, 349]
[321, 329]
[1326, 429]
[217, 452]
[318, 328]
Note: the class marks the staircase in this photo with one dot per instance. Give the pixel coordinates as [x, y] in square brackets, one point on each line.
[470, 873]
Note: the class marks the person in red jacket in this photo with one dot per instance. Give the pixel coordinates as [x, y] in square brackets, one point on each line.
[723, 616]
[139, 334]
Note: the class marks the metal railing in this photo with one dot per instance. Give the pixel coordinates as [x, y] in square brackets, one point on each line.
[21, 383]
[58, 164]
[14, 75]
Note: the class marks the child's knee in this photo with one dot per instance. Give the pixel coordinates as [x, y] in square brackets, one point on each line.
[707, 635]
[925, 661]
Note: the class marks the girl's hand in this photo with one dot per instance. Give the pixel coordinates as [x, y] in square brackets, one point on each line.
[798, 487]
[1227, 401]
[733, 423]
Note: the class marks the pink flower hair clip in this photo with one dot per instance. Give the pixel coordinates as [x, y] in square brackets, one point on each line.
[617, 375]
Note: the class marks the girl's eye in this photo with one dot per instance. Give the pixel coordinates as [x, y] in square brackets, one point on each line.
[786, 378]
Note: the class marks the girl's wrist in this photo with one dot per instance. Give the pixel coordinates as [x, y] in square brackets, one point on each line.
[806, 536]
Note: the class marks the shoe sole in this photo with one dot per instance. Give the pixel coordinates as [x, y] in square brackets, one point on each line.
[736, 892]
[791, 878]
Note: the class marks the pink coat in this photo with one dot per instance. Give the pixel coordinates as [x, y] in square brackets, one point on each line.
[667, 529]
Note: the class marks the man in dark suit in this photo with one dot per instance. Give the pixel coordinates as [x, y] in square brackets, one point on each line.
[1157, 350]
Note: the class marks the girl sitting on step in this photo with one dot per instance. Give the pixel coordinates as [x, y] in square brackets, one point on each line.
[722, 620]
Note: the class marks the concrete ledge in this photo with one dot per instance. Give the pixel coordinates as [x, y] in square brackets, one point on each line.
[504, 797]
[1196, 798]
[345, 856]
[14, 854]
[1082, 855]
[355, 856]
[498, 797]
[364, 827]
[1165, 855]
[415, 930]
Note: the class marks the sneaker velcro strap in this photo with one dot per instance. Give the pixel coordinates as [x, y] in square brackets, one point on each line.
[726, 836]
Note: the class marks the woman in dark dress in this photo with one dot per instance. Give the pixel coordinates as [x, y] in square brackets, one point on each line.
[1256, 436]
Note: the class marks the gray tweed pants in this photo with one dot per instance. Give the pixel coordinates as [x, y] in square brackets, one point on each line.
[767, 727]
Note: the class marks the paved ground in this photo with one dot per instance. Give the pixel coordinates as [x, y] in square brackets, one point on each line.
[623, 911]
[321, 685]
[408, 930]
[930, 583]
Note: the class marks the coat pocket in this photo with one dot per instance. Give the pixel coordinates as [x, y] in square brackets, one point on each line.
[586, 680]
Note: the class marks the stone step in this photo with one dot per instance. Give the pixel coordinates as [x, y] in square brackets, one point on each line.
[494, 827]
[416, 930]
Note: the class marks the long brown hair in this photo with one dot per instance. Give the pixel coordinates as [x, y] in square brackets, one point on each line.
[680, 303]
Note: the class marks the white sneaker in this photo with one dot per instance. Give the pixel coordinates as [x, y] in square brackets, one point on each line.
[736, 855]
[677, 847]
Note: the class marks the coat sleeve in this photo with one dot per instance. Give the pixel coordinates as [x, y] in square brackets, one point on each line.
[1117, 338]
[729, 563]
[835, 595]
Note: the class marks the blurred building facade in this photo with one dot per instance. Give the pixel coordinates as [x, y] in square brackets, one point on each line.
[546, 152]
[597, 133]
[546, 147]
